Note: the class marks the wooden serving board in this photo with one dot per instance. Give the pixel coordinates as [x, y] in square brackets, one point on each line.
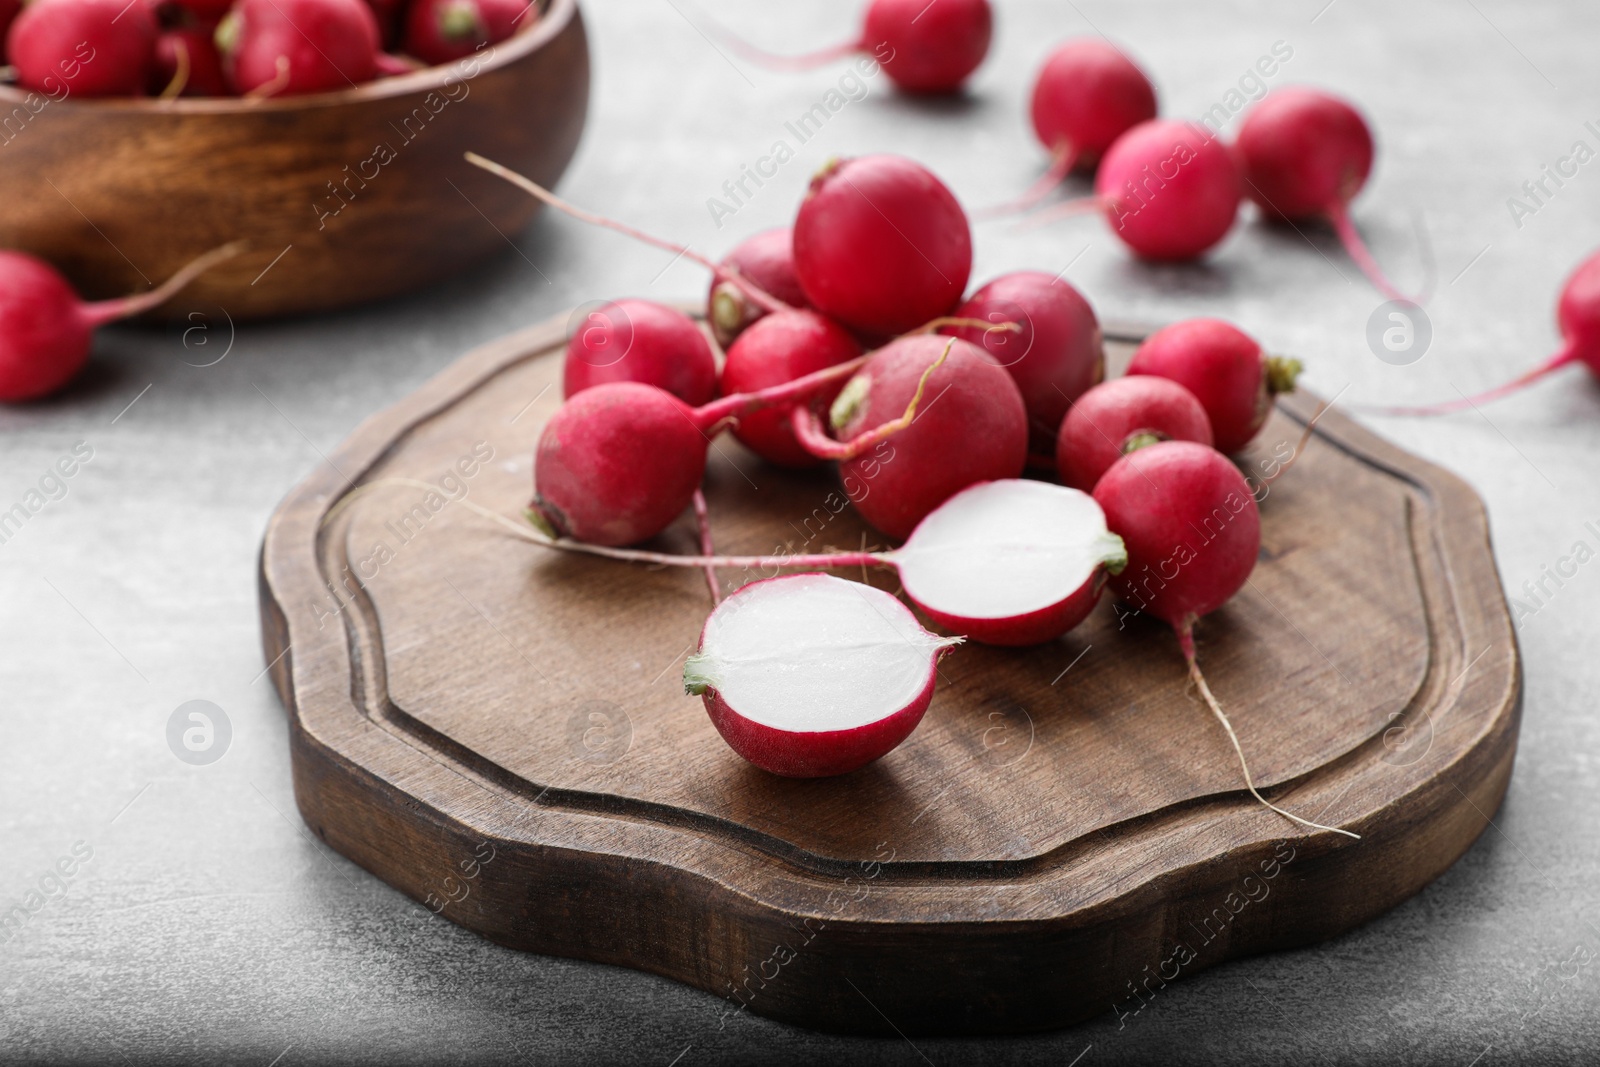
[500, 731]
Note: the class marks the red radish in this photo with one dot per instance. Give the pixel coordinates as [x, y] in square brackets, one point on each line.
[1055, 356]
[1192, 532]
[1087, 95]
[619, 461]
[1226, 371]
[86, 47]
[777, 349]
[881, 245]
[972, 427]
[289, 47]
[1305, 154]
[923, 47]
[1577, 315]
[767, 260]
[810, 676]
[45, 328]
[1012, 562]
[641, 341]
[438, 31]
[1112, 419]
[1171, 190]
[187, 64]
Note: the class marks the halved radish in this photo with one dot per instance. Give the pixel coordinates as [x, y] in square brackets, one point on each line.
[1011, 562]
[810, 676]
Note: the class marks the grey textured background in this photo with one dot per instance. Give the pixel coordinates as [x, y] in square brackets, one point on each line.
[209, 926]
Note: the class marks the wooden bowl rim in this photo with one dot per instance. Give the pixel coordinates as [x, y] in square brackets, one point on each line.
[558, 15]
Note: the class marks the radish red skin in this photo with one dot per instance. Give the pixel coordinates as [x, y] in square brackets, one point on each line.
[1223, 367]
[1173, 190]
[329, 44]
[439, 31]
[205, 77]
[1086, 96]
[1057, 356]
[1034, 628]
[1191, 527]
[822, 754]
[44, 336]
[766, 260]
[780, 348]
[1304, 153]
[971, 427]
[83, 47]
[881, 245]
[928, 48]
[1101, 421]
[617, 463]
[641, 341]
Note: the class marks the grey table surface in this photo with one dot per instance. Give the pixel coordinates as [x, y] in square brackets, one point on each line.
[208, 924]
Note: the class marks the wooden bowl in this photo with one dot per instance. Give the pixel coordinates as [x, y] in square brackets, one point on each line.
[343, 197]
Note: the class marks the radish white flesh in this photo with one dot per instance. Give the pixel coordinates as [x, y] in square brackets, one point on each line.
[810, 675]
[1010, 562]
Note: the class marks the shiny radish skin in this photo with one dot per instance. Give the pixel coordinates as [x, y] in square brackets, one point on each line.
[881, 245]
[1056, 356]
[1191, 527]
[767, 261]
[292, 47]
[791, 742]
[83, 48]
[1171, 191]
[203, 76]
[928, 48]
[1021, 631]
[617, 463]
[1087, 94]
[46, 328]
[972, 427]
[44, 333]
[1304, 153]
[780, 348]
[1110, 418]
[441, 31]
[1225, 369]
[641, 341]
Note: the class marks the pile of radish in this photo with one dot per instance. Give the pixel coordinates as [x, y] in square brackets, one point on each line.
[248, 48]
[875, 343]
[1171, 189]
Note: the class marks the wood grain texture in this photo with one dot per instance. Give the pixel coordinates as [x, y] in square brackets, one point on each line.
[1066, 825]
[363, 193]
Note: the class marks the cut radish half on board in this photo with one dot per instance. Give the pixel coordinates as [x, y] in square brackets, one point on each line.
[1011, 562]
[809, 675]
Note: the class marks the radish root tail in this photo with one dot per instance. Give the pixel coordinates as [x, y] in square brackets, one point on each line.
[1186, 640]
[539, 192]
[1061, 163]
[808, 428]
[1353, 243]
[702, 518]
